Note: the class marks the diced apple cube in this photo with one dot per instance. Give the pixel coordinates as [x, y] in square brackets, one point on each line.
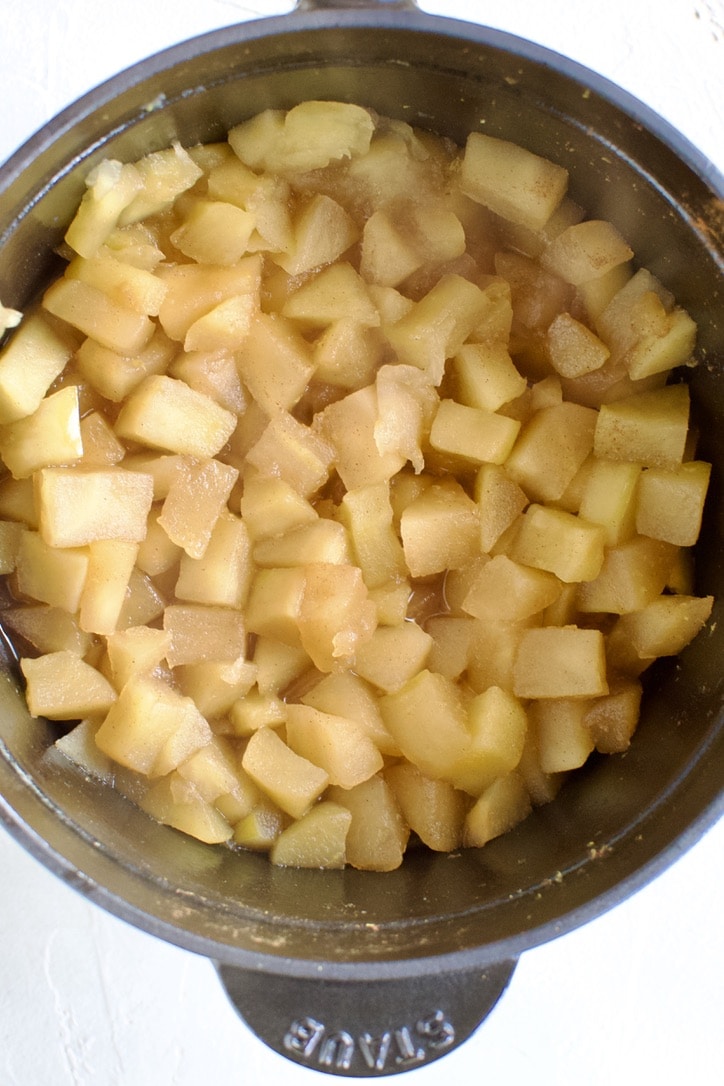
[51, 435]
[574, 349]
[406, 405]
[174, 802]
[166, 414]
[632, 575]
[47, 629]
[322, 231]
[440, 529]
[670, 504]
[195, 501]
[134, 651]
[336, 616]
[613, 719]
[647, 428]
[347, 354]
[345, 693]
[216, 685]
[321, 540]
[290, 781]
[115, 375]
[472, 434]
[193, 290]
[564, 739]
[609, 498]
[486, 376]
[502, 806]
[49, 574]
[427, 717]
[274, 604]
[165, 174]
[510, 591]
[307, 137]
[586, 250]
[214, 232]
[316, 840]
[199, 632]
[551, 448]
[500, 502]
[254, 710]
[135, 288]
[96, 315]
[512, 181]
[62, 686]
[393, 655]
[665, 626]
[78, 507]
[275, 362]
[378, 834]
[349, 426]
[289, 450]
[29, 363]
[336, 743]
[367, 513]
[222, 575]
[560, 542]
[560, 662]
[104, 592]
[433, 809]
[110, 188]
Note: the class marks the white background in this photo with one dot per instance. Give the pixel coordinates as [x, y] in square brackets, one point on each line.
[636, 997]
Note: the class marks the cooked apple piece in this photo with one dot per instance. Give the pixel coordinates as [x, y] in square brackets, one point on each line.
[433, 809]
[648, 428]
[47, 629]
[322, 231]
[346, 694]
[216, 685]
[114, 375]
[335, 292]
[336, 616]
[564, 739]
[110, 188]
[438, 325]
[336, 743]
[440, 529]
[451, 638]
[472, 434]
[632, 575]
[367, 514]
[175, 802]
[137, 245]
[195, 501]
[406, 405]
[144, 603]
[213, 373]
[609, 498]
[214, 232]
[317, 840]
[388, 254]
[502, 806]
[166, 414]
[290, 781]
[586, 250]
[135, 650]
[62, 686]
[29, 363]
[222, 575]
[560, 542]
[51, 435]
[542, 787]
[309, 136]
[654, 354]
[493, 651]
[77, 507]
[255, 710]
[156, 552]
[274, 362]
[104, 592]
[289, 450]
[212, 772]
[663, 627]
[613, 719]
[378, 834]
[551, 448]
[264, 196]
[509, 591]
[497, 723]
[500, 503]
[393, 655]
[260, 828]
[200, 632]
[225, 327]
[151, 728]
[274, 604]
[135, 288]
[321, 540]
[574, 349]
[348, 354]
[560, 662]
[49, 574]
[96, 315]
[278, 664]
[165, 174]
[670, 504]
[271, 507]
[391, 600]
[349, 427]
[101, 447]
[193, 290]
[485, 376]
[512, 181]
[427, 717]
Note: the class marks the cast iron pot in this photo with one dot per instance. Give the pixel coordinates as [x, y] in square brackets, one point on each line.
[351, 972]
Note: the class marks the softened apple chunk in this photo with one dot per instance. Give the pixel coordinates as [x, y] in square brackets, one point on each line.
[512, 181]
[78, 507]
[62, 686]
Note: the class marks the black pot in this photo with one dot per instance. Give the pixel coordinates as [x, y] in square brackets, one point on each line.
[353, 972]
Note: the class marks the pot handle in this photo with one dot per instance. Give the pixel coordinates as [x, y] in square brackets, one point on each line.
[323, 5]
[360, 1028]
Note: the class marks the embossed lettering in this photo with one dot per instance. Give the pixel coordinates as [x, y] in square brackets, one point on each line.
[436, 1030]
[375, 1050]
[303, 1036]
[407, 1050]
[337, 1050]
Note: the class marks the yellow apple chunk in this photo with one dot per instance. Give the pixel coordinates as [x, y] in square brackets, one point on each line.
[670, 504]
[195, 500]
[51, 435]
[550, 450]
[62, 686]
[293, 783]
[502, 806]
[115, 375]
[500, 502]
[336, 743]
[317, 840]
[472, 434]
[428, 719]
[216, 685]
[560, 662]
[194, 290]
[509, 591]
[166, 414]
[632, 575]
[77, 507]
[320, 541]
[199, 632]
[440, 529]
[378, 834]
[222, 575]
[564, 739]
[274, 362]
[648, 428]
[347, 694]
[293, 452]
[47, 629]
[498, 726]
[560, 542]
[367, 513]
[50, 575]
[393, 655]
[134, 651]
[586, 250]
[613, 719]
[96, 315]
[512, 181]
[336, 616]
[486, 376]
[214, 232]
[270, 507]
[433, 809]
[151, 728]
[29, 364]
[110, 562]
[110, 188]
[175, 803]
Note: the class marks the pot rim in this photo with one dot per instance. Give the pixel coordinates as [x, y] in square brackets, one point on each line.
[69, 118]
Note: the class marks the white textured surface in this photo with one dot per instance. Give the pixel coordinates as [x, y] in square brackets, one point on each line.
[636, 997]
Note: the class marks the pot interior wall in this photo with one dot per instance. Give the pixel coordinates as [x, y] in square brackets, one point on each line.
[615, 820]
